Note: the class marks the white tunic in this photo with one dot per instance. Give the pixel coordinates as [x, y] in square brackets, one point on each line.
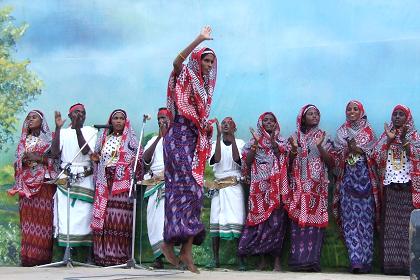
[156, 203]
[82, 191]
[227, 214]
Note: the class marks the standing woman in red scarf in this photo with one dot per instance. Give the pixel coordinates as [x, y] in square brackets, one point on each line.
[187, 147]
[397, 154]
[356, 197]
[35, 197]
[307, 199]
[112, 217]
[265, 164]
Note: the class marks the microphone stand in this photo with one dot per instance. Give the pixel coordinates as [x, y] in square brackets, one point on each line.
[67, 260]
[131, 263]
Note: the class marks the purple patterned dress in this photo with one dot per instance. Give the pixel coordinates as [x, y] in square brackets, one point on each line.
[357, 210]
[183, 196]
[266, 237]
[305, 247]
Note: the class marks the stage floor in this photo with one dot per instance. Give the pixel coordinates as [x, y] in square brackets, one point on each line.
[18, 273]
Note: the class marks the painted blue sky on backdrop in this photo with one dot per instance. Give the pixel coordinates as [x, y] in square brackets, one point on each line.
[272, 55]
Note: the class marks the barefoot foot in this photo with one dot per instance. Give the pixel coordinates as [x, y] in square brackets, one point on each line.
[168, 252]
[187, 260]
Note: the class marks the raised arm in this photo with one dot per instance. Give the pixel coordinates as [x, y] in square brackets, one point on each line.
[252, 152]
[215, 158]
[148, 154]
[293, 151]
[77, 124]
[205, 34]
[55, 145]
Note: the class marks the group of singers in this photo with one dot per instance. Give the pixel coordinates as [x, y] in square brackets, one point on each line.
[377, 181]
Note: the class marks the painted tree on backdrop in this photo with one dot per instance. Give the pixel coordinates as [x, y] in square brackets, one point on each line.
[18, 85]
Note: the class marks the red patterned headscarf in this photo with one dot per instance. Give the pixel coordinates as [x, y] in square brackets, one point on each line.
[123, 171]
[28, 181]
[268, 174]
[309, 134]
[360, 130]
[190, 95]
[413, 137]
[307, 199]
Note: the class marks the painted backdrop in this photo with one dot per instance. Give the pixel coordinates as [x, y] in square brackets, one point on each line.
[272, 56]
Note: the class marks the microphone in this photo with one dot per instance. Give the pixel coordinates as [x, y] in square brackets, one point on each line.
[146, 117]
[99, 126]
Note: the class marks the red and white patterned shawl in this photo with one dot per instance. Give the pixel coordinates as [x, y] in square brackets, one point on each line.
[307, 197]
[190, 95]
[268, 174]
[365, 138]
[123, 172]
[413, 137]
[28, 181]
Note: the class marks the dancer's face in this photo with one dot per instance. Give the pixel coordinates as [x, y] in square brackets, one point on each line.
[34, 121]
[399, 118]
[311, 118]
[207, 63]
[118, 122]
[353, 112]
[269, 123]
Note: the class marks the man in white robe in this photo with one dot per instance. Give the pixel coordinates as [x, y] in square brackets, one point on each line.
[155, 191]
[66, 144]
[227, 215]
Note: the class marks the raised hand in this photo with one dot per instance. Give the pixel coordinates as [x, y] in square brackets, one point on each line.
[77, 121]
[352, 145]
[59, 122]
[293, 142]
[319, 140]
[94, 157]
[389, 133]
[30, 157]
[163, 128]
[205, 33]
[254, 135]
[219, 128]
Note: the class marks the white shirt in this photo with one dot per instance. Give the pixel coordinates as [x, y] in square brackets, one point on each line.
[227, 166]
[69, 147]
[156, 164]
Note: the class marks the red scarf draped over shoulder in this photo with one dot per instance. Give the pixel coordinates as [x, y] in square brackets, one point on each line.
[413, 137]
[190, 95]
[268, 174]
[123, 172]
[28, 181]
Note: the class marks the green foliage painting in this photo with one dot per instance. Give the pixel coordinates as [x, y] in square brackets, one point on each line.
[18, 85]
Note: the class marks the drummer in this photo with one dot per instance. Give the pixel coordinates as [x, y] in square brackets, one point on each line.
[155, 191]
[227, 205]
